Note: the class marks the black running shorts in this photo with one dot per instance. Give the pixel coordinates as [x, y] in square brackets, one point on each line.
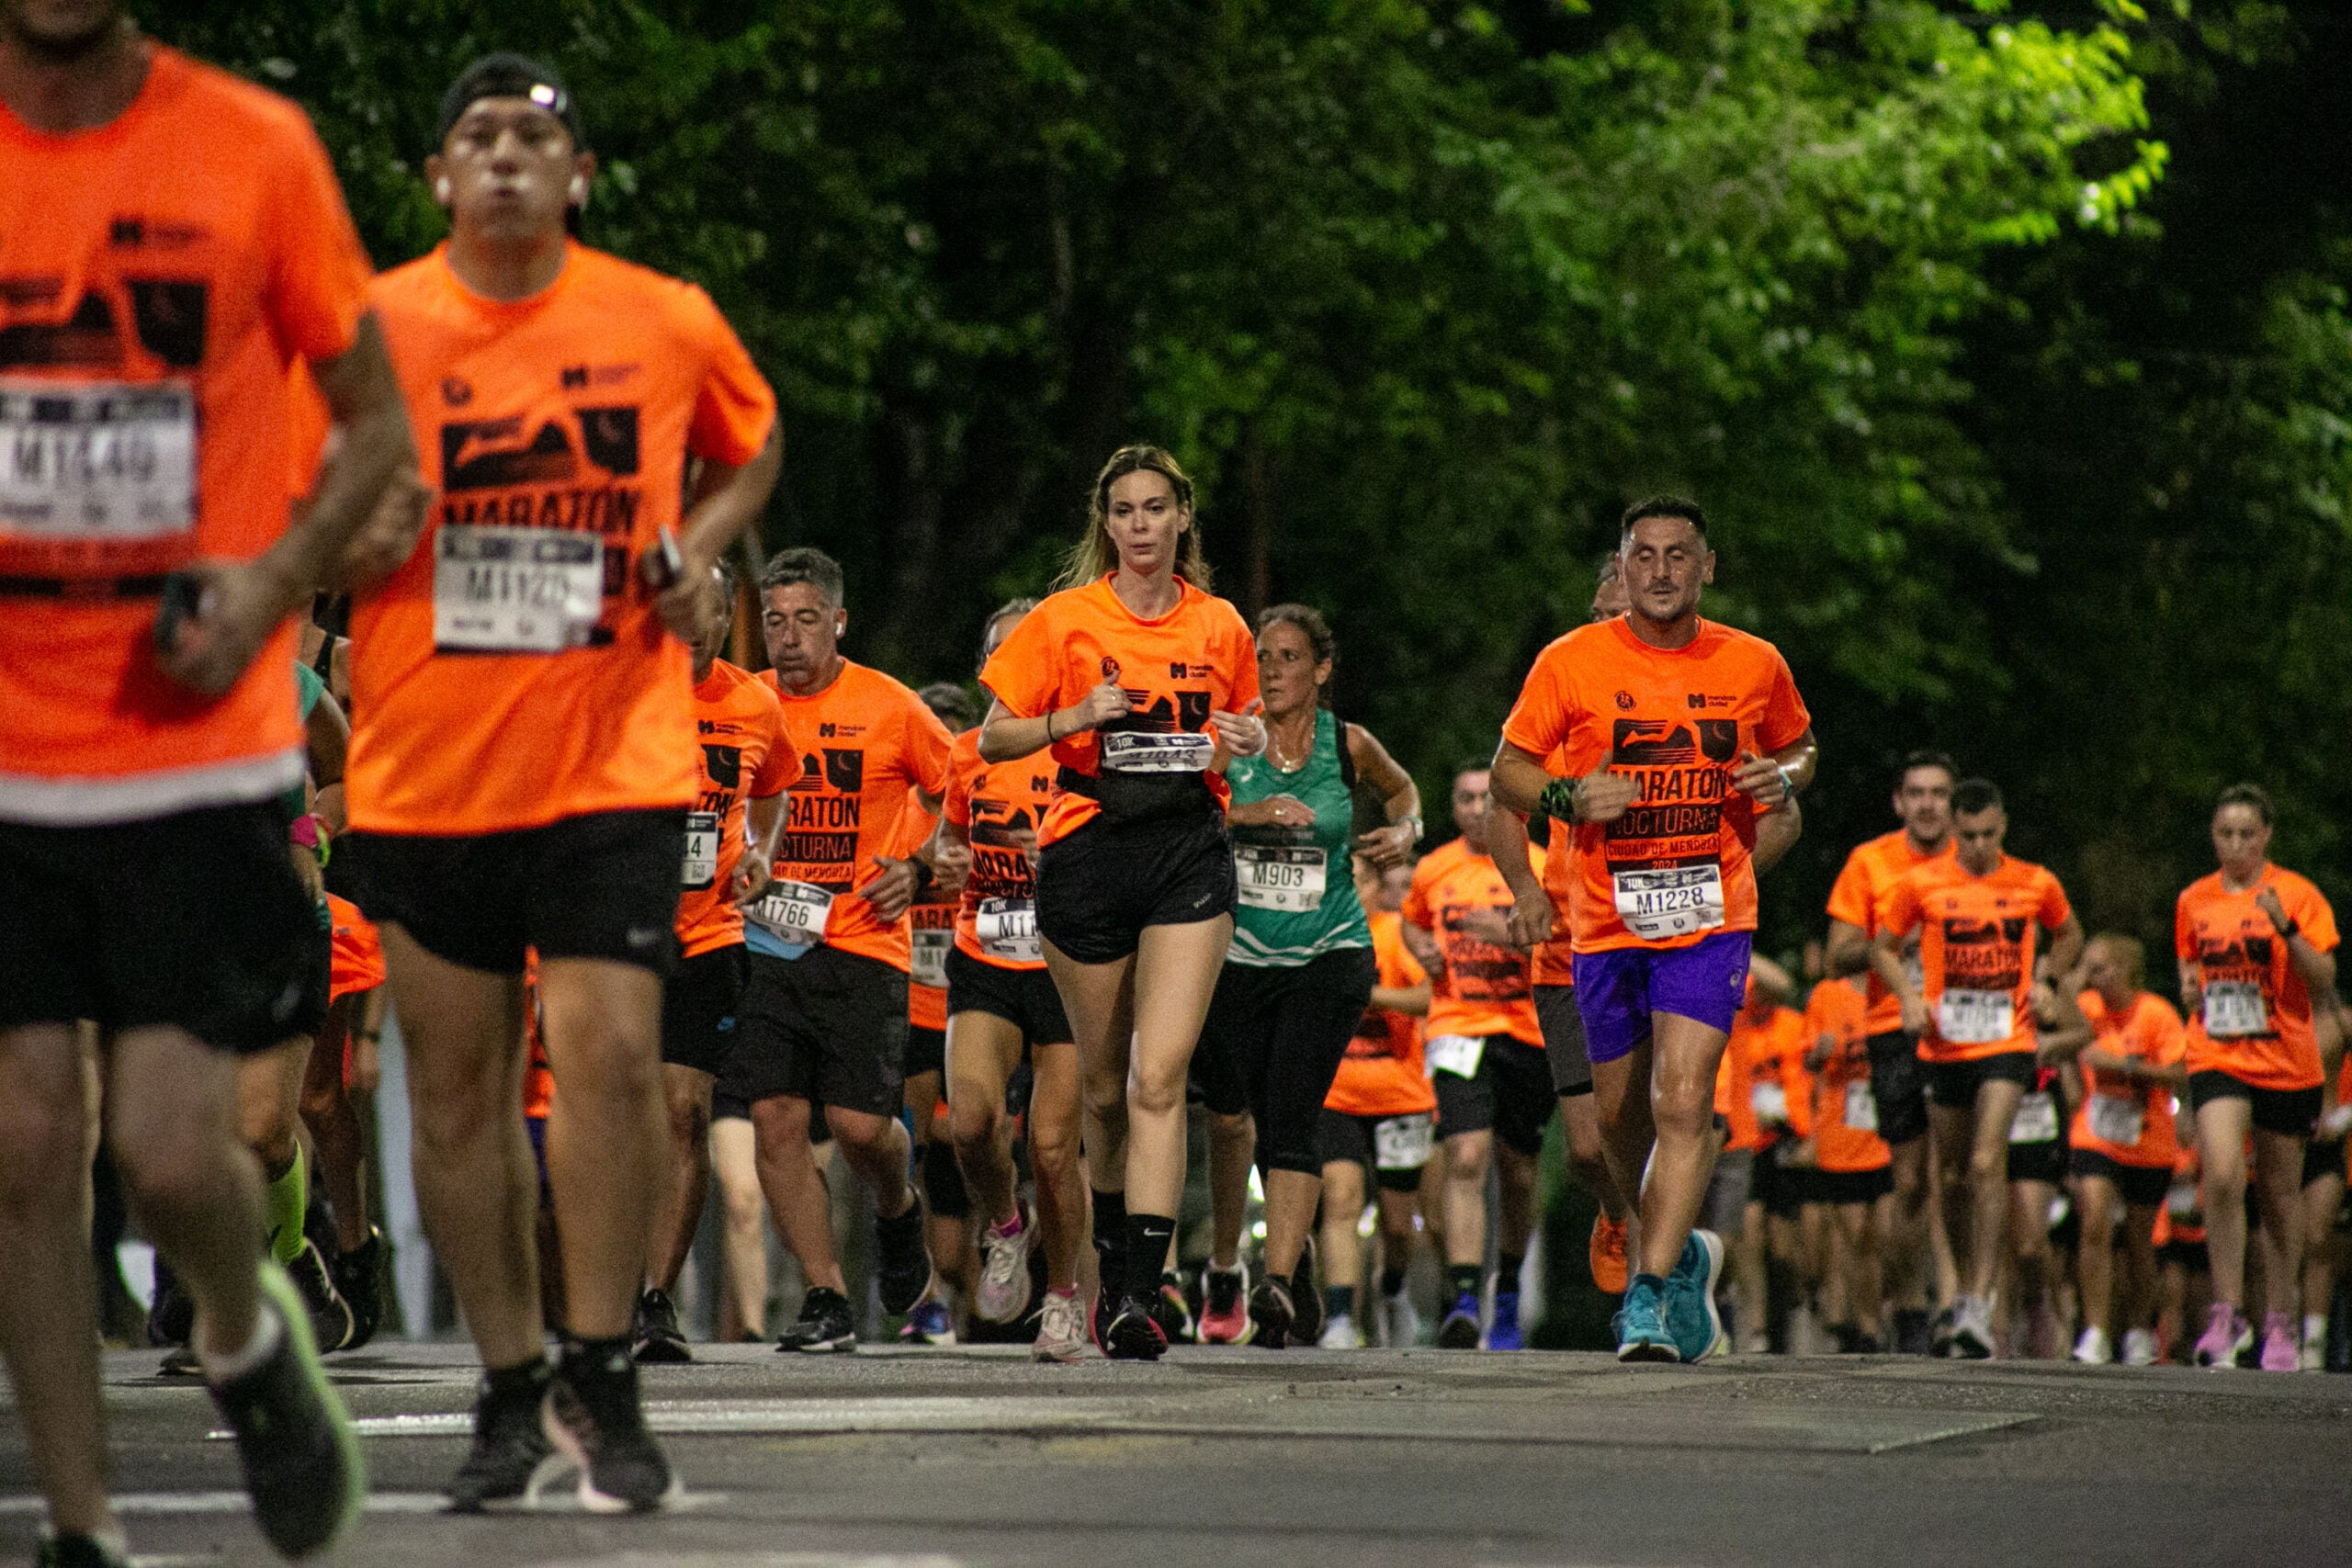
[603, 886]
[2289, 1112]
[2143, 1186]
[829, 1028]
[194, 921]
[1025, 999]
[1512, 1095]
[1898, 1086]
[1954, 1084]
[1345, 1139]
[1563, 1026]
[926, 1051]
[1850, 1186]
[698, 1008]
[1098, 889]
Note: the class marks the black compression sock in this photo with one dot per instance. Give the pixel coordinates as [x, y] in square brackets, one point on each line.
[1506, 1268]
[1391, 1282]
[1147, 1238]
[1110, 1241]
[522, 1384]
[1461, 1279]
[1339, 1301]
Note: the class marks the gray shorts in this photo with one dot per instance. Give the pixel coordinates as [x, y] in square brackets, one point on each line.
[1563, 1026]
[1727, 1192]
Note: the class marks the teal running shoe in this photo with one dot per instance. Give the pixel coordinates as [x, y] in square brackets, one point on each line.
[1691, 1314]
[1641, 1323]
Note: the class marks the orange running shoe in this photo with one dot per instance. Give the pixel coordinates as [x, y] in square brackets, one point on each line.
[1607, 1254]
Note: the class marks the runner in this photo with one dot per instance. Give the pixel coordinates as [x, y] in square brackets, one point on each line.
[1759, 1086]
[1979, 915]
[948, 1230]
[2324, 1169]
[147, 722]
[2124, 1144]
[2255, 944]
[2037, 1156]
[522, 760]
[1484, 1052]
[824, 1019]
[344, 1065]
[1301, 968]
[1145, 688]
[1002, 1010]
[1851, 1163]
[1381, 1116]
[747, 762]
[1663, 914]
[1898, 1080]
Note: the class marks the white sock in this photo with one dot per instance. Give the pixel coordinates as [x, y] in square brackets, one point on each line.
[267, 1331]
[2314, 1328]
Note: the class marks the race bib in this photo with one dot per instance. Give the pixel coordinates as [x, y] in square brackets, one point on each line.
[2235, 1008]
[1455, 1053]
[930, 955]
[1006, 930]
[701, 867]
[1975, 1018]
[1861, 1107]
[1280, 878]
[1403, 1143]
[2036, 1120]
[1768, 1100]
[502, 589]
[1145, 752]
[2182, 1199]
[1670, 901]
[793, 912]
[2115, 1120]
[97, 463]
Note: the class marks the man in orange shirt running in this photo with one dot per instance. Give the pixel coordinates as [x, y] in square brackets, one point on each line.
[747, 763]
[171, 238]
[824, 1019]
[1980, 915]
[524, 758]
[1898, 1085]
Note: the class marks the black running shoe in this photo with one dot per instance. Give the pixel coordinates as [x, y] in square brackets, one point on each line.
[301, 1456]
[359, 1278]
[658, 1339]
[594, 1420]
[331, 1319]
[902, 1267]
[825, 1324]
[78, 1551]
[180, 1361]
[1306, 1299]
[1913, 1333]
[1131, 1334]
[171, 1316]
[509, 1446]
[1271, 1310]
[1171, 1310]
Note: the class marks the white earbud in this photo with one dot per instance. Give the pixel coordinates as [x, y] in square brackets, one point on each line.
[441, 188]
[578, 190]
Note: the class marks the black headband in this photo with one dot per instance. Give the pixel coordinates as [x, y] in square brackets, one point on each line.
[510, 77]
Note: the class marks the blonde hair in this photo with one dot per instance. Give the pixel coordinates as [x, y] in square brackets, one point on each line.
[1095, 555]
[2130, 953]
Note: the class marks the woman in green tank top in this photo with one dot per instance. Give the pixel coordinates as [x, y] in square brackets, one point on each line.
[1299, 973]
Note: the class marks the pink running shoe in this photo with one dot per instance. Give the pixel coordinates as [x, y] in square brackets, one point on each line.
[2279, 1343]
[2226, 1334]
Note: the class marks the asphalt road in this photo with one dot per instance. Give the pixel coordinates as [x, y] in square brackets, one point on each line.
[1306, 1458]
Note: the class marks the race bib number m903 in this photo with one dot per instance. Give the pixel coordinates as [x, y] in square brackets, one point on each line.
[1277, 878]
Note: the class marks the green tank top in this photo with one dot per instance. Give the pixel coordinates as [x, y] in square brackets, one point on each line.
[1298, 887]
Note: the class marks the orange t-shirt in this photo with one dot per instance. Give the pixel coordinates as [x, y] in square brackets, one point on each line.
[931, 931]
[745, 757]
[1176, 669]
[1485, 989]
[515, 671]
[2255, 1022]
[1382, 1073]
[2114, 1105]
[1763, 1068]
[997, 805]
[1845, 1117]
[1553, 959]
[1977, 940]
[866, 742]
[356, 952]
[1678, 864]
[1869, 871]
[159, 276]
[539, 1080]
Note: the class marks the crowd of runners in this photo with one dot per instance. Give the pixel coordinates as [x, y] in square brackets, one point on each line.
[641, 913]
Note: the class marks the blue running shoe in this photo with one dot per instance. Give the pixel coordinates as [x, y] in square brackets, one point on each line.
[1502, 1334]
[1690, 1314]
[1641, 1323]
[1460, 1329]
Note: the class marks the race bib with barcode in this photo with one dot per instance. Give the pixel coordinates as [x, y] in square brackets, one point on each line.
[1455, 1053]
[1403, 1143]
[1148, 752]
[793, 912]
[1768, 1100]
[2235, 1008]
[1007, 930]
[1861, 1107]
[1975, 1018]
[2036, 1120]
[94, 467]
[503, 590]
[928, 955]
[2115, 1120]
[1670, 901]
[1280, 877]
[701, 867]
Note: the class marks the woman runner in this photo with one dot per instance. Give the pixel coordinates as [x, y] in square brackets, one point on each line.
[1146, 687]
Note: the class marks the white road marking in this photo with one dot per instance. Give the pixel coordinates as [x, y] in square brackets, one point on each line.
[556, 1499]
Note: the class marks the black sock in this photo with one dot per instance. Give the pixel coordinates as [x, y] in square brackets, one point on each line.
[1461, 1279]
[595, 1359]
[1506, 1268]
[1339, 1301]
[1147, 1238]
[522, 1384]
[1392, 1281]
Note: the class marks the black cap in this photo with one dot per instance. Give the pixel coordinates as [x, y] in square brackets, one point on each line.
[506, 76]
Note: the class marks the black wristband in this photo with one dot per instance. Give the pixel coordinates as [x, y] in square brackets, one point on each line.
[1049, 725]
[2289, 929]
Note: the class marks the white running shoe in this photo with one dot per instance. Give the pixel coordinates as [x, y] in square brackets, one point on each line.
[2093, 1349]
[2138, 1348]
[1061, 1329]
[1003, 1295]
[1340, 1333]
[1400, 1325]
[1972, 1329]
